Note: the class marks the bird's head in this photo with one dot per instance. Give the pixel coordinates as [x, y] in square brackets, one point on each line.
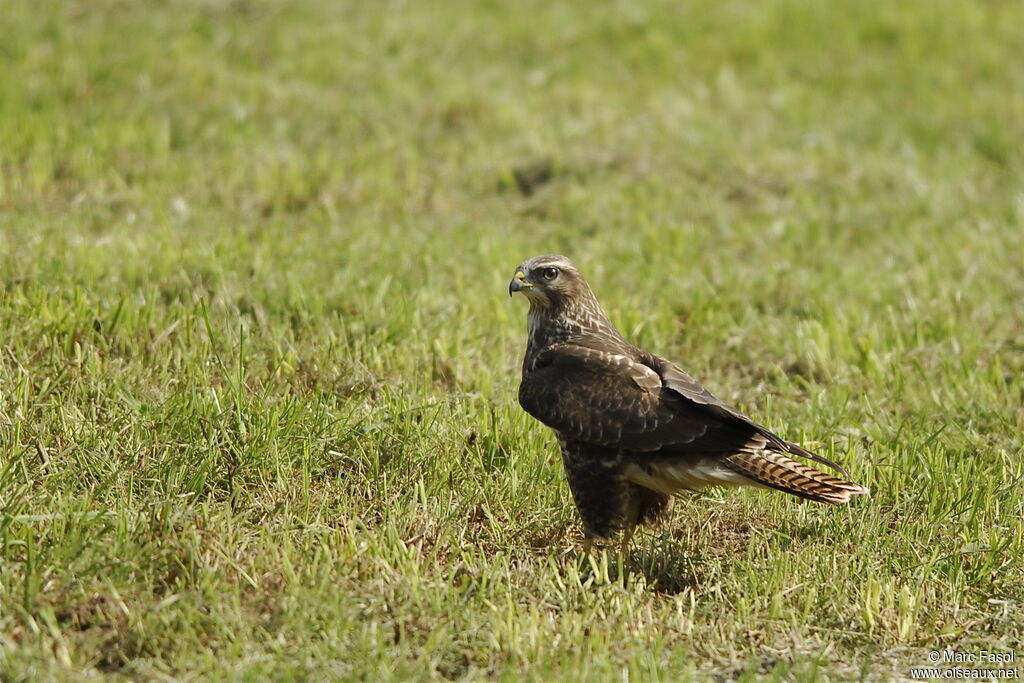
[549, 281]
[562, 305]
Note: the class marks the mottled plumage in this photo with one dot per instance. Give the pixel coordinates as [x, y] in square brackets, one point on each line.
[633, 428]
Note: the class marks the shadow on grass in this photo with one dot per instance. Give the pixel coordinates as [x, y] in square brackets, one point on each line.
[664, 567]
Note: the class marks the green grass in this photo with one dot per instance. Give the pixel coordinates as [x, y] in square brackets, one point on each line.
[258, 367]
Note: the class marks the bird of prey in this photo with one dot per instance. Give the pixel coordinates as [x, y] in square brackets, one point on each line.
[633, 428]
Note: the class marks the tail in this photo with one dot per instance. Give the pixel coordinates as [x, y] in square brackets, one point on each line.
[781, 472]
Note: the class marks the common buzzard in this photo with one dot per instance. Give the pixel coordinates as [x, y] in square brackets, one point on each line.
[633, 428]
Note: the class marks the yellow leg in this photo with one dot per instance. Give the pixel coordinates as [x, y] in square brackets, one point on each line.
[588, 543]
[633, 514]
[627, 536]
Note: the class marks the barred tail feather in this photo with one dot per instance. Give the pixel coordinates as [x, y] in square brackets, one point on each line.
[781, 472]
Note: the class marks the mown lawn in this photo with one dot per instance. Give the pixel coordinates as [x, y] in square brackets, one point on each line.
[258, 365]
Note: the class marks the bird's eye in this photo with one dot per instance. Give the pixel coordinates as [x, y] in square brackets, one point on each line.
[550, 273]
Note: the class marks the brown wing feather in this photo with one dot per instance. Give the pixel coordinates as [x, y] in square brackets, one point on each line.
[651, 406]
[678, 381]
[606, 398]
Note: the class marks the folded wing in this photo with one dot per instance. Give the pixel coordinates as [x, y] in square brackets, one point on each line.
[607, 398]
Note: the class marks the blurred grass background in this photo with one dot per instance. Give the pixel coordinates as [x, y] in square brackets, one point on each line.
[258, 368]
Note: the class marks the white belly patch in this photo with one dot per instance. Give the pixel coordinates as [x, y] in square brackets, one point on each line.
[692, 475]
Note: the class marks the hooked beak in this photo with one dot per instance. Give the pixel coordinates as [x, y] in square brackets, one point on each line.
[518, 283]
